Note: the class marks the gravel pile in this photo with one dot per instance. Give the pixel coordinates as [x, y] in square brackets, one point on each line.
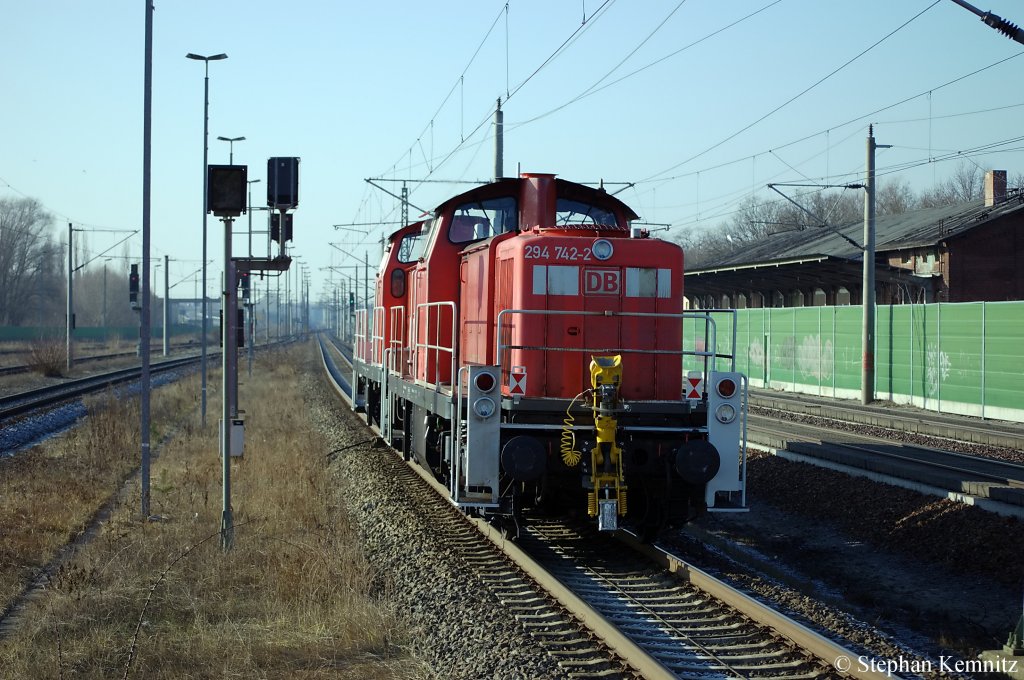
[459, 628]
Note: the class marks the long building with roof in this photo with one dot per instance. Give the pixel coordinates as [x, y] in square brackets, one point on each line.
[967, 252]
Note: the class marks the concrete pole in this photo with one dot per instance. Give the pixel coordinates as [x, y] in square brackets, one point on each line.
[206, 200]
[251, 327]
[499, 118]
[229, 357]
[868, 292]
[167, 302]
[147, 162]
[71, 303]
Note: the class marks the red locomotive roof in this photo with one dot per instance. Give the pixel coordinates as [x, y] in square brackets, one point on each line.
[529, 187]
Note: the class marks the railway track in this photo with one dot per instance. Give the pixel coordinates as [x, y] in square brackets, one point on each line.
[605, 611]
[24, 402]
[688, 630]
[895, 419]
[993, 484]
[25, 368]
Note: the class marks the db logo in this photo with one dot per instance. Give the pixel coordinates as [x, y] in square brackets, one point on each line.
[601, 282]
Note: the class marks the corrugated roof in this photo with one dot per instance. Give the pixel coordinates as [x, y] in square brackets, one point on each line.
[917, 228]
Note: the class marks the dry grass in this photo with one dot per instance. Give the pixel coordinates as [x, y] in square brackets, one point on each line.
[47, 357]
[290, 600]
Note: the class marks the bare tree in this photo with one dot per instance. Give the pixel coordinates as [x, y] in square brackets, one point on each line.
[101, 297]
[756, 218]
[835, 208]
[894, 197]
[706, 247]
[965, 184]
[30, 263]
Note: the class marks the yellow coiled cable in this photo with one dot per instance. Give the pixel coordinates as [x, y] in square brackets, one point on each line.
[570, 456]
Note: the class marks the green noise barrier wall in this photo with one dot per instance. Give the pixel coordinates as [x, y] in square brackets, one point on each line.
[965, 358]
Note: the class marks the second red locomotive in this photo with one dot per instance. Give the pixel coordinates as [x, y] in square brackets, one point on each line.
[527, 347]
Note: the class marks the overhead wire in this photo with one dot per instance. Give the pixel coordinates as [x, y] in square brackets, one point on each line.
[575, 35]
[468, 141]
[662, 181]
[594, 89]
[458, 80]
[886, 170]
[794, 97]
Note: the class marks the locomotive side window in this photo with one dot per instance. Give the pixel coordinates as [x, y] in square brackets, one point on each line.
[648, 282]
[398, 283]
[482, 219]
[573, 213]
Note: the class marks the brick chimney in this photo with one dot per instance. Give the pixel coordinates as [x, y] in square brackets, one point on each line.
[995, 187]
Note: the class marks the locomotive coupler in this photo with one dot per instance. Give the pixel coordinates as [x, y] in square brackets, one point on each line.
[607, 498]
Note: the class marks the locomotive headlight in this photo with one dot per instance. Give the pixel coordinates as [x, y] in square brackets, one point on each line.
[602, 249]
[485, 381]
[725, 413]
[484, 407]
[726, 387]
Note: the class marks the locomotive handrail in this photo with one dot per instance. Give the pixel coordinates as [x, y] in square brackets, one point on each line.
[360, 349]
[455, 432]
[428, 346]
[395, 342]
[502, 348]
[706, 314]
[377, 336]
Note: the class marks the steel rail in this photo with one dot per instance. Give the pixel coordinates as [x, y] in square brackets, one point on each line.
[23, 402]
[866, 443]
[989, 432]
[802, 636]
[25, 368]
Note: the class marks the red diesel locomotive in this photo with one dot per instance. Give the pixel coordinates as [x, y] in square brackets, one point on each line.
[527, 347]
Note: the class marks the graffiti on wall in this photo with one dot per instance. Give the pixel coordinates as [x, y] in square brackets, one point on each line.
[814, 358]
[811, 358]
[755, 353]
[936, 368]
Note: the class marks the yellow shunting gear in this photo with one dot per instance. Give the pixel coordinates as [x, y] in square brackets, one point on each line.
[606, 478]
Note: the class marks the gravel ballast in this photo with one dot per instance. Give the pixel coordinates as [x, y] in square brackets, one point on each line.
[459, 629]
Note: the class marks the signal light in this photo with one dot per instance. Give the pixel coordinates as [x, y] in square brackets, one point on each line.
[725, 413]
[283, 182]
[485, 382]
[133, 286]
[243, 283]
[726, 388]
[225, 190]
[484, 407]
[275, 227]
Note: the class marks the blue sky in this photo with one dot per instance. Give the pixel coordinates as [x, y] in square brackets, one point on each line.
[699, 103]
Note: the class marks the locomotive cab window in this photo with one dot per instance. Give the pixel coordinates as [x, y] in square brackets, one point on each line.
[410, 248]
[572, 213]
[478, 220]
